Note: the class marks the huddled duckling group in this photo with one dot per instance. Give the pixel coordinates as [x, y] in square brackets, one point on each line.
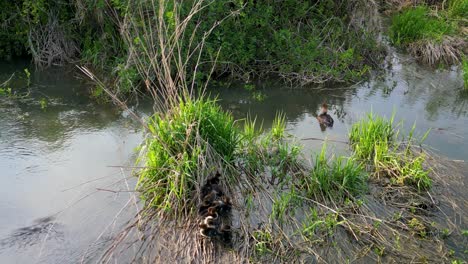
[214, 207]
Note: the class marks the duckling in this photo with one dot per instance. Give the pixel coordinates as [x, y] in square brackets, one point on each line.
[208, 231]
[225, 233]
[212, 185]
[212, 213]
[324, 118]
[223, 205]
[206, 203]
[209, 225]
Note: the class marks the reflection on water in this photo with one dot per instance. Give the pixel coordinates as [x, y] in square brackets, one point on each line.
[417, 95]
[51, 159]
[42, 229]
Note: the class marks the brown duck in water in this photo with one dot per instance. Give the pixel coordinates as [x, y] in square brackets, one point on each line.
[324, 118]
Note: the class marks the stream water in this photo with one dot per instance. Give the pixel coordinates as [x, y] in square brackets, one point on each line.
[59, 162]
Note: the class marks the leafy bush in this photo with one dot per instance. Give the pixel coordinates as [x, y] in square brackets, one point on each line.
[310, 42]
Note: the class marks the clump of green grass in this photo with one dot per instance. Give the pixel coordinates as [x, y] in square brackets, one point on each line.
[369, 137]
[263, 242]
[417, 23]
[458, 8]
[284, 204]
[374, 141]
[176, 142]
[341, 176]
[315, 226]
[433, 35]
[278, 127]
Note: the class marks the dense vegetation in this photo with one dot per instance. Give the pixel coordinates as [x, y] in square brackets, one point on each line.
[434, 32]
[303, 41]
[284, 208]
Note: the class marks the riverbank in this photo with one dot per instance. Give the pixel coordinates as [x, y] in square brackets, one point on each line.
[384, 199]
[300, 42]
[73, 121]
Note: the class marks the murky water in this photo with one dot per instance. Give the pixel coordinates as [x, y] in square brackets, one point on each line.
[57, 191]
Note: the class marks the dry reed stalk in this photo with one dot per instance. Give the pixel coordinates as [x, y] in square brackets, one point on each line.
[448, 51]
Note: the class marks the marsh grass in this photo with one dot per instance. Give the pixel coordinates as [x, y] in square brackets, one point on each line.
[375, 141]
[418, 23]
[370, 136]
[174, 146]
[432, 34]
[335, 178]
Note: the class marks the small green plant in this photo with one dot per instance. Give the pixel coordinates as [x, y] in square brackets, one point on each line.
[464, 232]
[341, 177]
[379, 250]
[28, 76]
[249, 87]
[259, 96]
[263, 242]
[43, 103]
[417, 227]
[315, 225]
[283, 205]
[99, 94]
[311, 224]
[377, 223]
[446, 233]
[5, 91]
